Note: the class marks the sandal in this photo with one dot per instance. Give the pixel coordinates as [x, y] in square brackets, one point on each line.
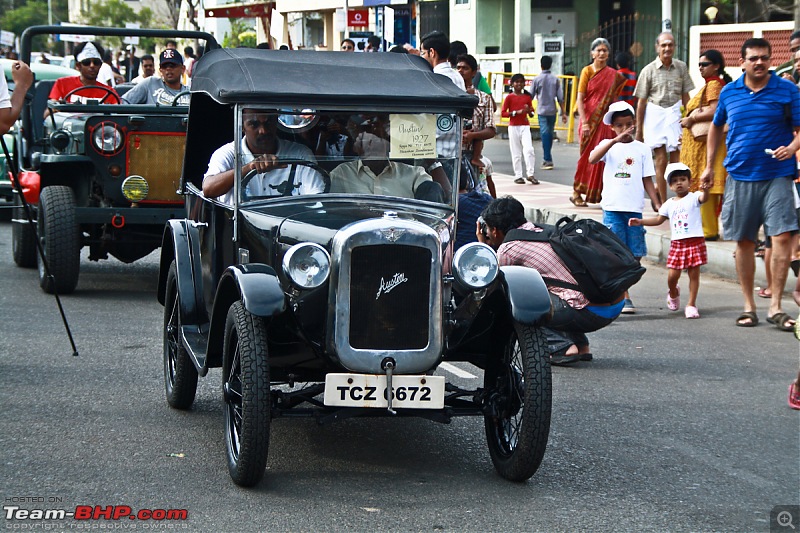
[674, 303]
[533, 180]
[794, 396]
[520, 181]
[764, 293]
[577, 201]
[782, 321]
[747, 315]
[691, 312]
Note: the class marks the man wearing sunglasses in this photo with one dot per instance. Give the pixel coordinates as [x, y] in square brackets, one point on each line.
[161, 91]
[88, 60]
[763, 113]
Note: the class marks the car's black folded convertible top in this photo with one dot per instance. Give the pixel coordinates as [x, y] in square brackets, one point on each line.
[337, 79]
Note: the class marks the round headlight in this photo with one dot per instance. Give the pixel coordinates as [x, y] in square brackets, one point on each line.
[307, 265]
[475, 265]
[60, 140]
[135, 188]
[107, 138]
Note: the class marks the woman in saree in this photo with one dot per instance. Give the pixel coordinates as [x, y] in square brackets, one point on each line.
[599, 86]
[701, 108]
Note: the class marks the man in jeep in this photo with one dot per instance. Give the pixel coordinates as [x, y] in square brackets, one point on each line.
[88, 60]
[163, 90]
[262, 151]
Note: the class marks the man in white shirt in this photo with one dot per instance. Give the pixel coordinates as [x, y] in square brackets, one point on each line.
[161, 91]
[262, 151]
[435, 48]
[148, 69]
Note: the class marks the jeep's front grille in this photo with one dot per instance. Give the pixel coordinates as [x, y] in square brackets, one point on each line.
[158, 158]
[390, 297]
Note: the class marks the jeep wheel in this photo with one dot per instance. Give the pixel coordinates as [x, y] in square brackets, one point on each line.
[23, 240]
[520, 391]
[245, 387]
[180, 374]
[60, 238]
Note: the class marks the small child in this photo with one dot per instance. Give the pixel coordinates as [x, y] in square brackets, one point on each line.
[518, 107]
[627, 175]
[688, 247]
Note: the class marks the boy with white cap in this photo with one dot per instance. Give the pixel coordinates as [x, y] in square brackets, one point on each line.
[687, 250]
[628, 174]
[88, 60]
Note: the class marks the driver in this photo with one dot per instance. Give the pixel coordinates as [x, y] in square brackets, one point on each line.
[88, 60]
[262, 150]
[163, 90]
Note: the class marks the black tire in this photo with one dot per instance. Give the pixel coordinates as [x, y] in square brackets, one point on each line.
[245, 384]
[180, 374]
[520, 388]
[23, 240]
[60, 238]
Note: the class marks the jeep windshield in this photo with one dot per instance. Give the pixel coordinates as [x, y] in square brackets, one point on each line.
[299, 152]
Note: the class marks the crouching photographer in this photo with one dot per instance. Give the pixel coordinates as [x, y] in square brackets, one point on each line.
[573, 314]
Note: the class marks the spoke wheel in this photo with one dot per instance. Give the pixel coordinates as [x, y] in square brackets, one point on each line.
[180, 374]
[520, 389]
[23, 239]
[60, 237]
[245, 386]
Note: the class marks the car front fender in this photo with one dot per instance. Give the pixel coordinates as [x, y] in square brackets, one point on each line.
[181, 243]
[528, 299]
[257, 286]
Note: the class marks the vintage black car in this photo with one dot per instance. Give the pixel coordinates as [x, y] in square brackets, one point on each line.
[109, 174]
[330, 287]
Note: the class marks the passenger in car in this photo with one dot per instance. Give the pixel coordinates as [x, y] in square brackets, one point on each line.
[374, 173]
[88, 60]
[262, 151]
[163, 90]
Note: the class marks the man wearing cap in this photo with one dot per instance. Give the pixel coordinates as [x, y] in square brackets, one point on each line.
[88, 60]
[161, 91]
[663, 87]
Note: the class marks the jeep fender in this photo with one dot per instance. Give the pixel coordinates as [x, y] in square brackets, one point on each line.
[528, 299]
[181, 242]
[257, 286]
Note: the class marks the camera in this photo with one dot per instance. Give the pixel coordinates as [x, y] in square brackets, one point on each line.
[484, 227]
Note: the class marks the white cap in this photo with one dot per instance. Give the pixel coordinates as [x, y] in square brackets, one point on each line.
[89, 52]
[616, 107]
[674, 167]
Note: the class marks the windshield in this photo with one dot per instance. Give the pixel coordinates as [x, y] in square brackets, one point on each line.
[307, 152]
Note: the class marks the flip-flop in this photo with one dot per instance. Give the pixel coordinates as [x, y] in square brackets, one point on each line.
[747, 315]
[782, 321]
[578, 201]
[763, 293]
[587, 356]
[794, 396]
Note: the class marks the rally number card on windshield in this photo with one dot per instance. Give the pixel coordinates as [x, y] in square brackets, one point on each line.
[412, 136]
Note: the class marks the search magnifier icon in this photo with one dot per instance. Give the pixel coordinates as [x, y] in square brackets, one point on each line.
[785, 519]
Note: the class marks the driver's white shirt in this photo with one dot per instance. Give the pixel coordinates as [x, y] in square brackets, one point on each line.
[306, 179]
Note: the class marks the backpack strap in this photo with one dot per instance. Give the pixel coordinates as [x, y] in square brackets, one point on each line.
[540, 236]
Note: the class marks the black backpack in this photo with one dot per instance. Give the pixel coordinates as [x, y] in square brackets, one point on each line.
[598, 260]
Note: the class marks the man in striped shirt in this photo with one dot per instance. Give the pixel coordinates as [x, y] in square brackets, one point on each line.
[763, 113]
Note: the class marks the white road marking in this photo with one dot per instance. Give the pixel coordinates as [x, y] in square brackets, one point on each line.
[456, 371]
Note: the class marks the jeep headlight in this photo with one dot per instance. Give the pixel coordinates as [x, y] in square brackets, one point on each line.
[307, 265]
[475, 265]
[107, 138]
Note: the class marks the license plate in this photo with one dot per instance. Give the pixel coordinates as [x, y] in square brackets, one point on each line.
[369, 390]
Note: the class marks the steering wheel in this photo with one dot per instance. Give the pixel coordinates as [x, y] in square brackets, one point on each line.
[109, 92]
[178, 97]
[293, 164]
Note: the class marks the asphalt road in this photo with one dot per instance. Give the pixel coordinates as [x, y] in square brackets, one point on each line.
[676, 425]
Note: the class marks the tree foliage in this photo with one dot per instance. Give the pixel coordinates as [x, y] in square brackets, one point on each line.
[114, 14]
[31, 13]
[239, 29]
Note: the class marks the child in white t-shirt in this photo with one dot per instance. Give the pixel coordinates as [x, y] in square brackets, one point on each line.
[628, 174]
[687, 251]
